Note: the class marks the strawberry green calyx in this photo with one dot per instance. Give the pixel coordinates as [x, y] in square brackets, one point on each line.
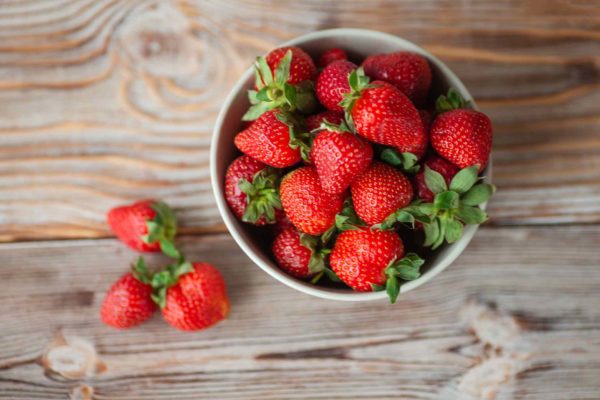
[262, 196]
[452, 101]
[358, 81]
[341, 128]
[397, 272]
[414, 212]
[318, 264]
[162, 229]
[407, 162]
[454, 206]
[140, 271]
[164, 279]
[345, 220]
[298, 139]
[273, 91]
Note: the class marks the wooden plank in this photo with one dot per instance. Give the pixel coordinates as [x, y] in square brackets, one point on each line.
[516, 317]
[104, 102]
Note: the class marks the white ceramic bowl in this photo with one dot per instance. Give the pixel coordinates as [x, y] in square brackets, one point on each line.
[359, 43]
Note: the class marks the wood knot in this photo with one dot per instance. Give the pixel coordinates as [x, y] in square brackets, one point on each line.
[71, 357]
[81, 392]
[159, 41]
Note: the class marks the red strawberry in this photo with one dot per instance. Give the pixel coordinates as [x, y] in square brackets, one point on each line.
[282, 222]
[339, 157]
[251, 191]
[438, 164]
[332, 84]
[409, 72]
[308, 206]
[379, 192]
[314, 121]
[197, 300]
[384, 115]
[463, 137]
[359, 257]
[302, 67]
[268, 140]
[146, 225]
[293, 252]
[332, 55]
[127, 303]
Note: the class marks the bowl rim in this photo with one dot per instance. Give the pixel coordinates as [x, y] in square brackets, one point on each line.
[455, 249]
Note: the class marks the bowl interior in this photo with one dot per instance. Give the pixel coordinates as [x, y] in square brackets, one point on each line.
[359, 44]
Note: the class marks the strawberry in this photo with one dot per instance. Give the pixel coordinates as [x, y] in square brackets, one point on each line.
[463, 137]
[409, 72]
[296, 253]
[438, 164]
[251, 191]
[282, 222]
[382, 114]
[379, 192]
[268, 140]
[339, 157]
[314, 121]
[366, 259]
[283, 80]
[332, 84]
[308, 206]
[302, 66]
[331, 55]
[193, 296]
[128, 302]
[146, 225]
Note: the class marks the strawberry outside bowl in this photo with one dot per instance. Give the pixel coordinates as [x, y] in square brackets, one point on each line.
[359, 43]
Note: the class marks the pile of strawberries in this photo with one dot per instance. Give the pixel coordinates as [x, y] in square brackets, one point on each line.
[346, 161]
[191, 296]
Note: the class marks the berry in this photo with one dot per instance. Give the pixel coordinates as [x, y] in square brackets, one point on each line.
[291, 255]
[380, 191]
[463, 137]
[332, 55]
[127, 303]
[332, 84]
[314, 121]
[409, 72]
[251, 191]
[307, 205]
[438, 164]
[382, 114]
[145, 225]
[268, 140]
[302, 66]
[197, 300]
[339, 157]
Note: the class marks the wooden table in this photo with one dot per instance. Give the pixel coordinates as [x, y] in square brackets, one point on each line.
[103, 102]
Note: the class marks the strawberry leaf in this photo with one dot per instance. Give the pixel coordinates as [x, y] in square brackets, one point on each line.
[407, 162]
[478, 194]
[392, 287]
[264, 70]
[471, 215]
[432, 232]
[435, 181]
[446, 200]
[282, 72]
[452, 101]
[256, 111]
[454, 230]
[262, 196]
[464, 179]
[332, 276]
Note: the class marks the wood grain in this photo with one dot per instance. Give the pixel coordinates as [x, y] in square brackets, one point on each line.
[104, 102]
[516, 317]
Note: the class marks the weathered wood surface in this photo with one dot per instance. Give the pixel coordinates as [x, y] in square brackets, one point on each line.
[516, 317]
[105, 101]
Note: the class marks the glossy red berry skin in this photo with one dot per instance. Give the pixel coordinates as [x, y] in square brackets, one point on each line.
[268, 140]
[438, 164]
[127, 303]
[198, 300]
[332, 84]
[384, 115]
[302, 67]
[314, 121]
[243, 167]
[463, 137]
[332, 55]
[380, 191]
[409, 72]
[359, 257]
[307, 205]
[339, 158]
[291, 256]
[128, 223]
